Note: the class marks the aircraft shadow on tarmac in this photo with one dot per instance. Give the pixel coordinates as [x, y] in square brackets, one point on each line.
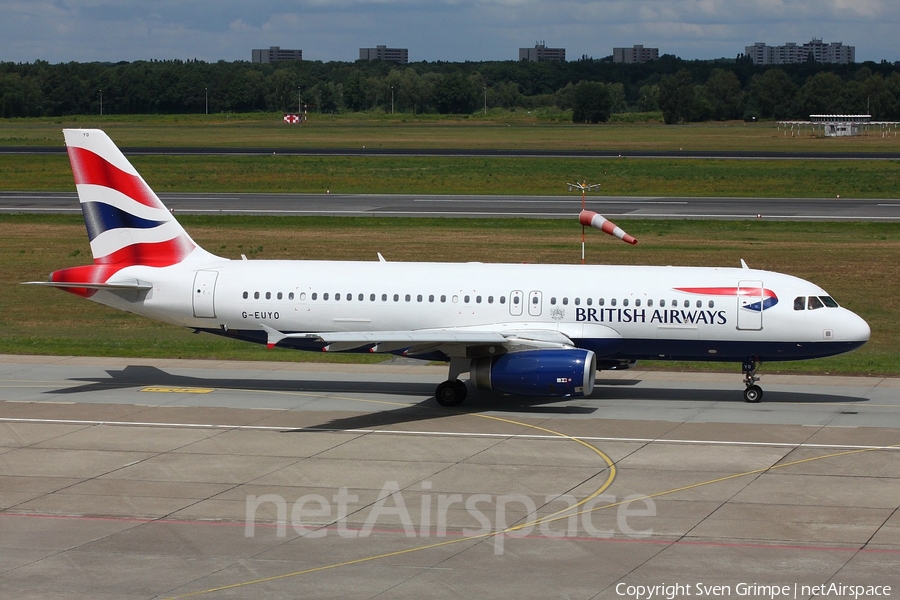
[137, 376]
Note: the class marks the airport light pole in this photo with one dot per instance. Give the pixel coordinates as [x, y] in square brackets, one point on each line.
[206, 98]
[101, 102]
[392, 99]
[485, 100]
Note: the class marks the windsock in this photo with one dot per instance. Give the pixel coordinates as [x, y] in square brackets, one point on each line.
[589, 217]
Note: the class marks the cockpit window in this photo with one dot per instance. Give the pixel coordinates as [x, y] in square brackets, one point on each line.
[828, 301]
[813, 303]
[800, 303]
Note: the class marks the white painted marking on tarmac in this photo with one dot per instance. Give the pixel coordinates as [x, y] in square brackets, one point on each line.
[531, 436]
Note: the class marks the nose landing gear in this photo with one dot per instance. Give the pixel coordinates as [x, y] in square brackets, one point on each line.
[752, 392]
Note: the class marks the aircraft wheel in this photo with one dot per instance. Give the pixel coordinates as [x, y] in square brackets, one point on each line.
[753, 394]
[450, 393]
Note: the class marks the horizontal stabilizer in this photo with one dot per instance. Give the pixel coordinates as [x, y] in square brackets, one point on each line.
[129, 284]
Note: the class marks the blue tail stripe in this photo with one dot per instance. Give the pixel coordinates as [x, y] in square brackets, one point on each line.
[100, 217]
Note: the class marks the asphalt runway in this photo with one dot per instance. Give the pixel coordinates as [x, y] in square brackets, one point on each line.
[392, 205]
[134, 478]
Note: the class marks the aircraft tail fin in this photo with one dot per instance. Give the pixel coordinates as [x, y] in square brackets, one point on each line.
[126, 222]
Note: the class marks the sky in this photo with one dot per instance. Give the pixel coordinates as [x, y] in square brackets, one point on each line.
[448, 30]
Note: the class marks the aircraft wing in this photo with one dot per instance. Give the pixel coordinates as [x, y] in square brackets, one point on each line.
[458, 341]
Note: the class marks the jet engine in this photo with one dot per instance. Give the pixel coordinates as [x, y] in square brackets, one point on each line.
[559, 373]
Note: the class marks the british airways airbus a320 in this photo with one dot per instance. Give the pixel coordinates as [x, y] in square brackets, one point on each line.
[539, 330]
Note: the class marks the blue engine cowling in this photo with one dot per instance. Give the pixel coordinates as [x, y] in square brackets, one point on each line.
[560, 373]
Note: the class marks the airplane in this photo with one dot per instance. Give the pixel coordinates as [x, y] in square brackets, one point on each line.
[521, 329]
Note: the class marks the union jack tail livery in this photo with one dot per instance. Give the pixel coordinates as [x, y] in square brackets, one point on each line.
[126, 222]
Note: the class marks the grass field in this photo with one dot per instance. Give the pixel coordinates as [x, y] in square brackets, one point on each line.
[858, 263]
[482, 175]
[539, 130]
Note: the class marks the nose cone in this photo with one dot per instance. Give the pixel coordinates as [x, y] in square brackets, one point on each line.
[854, 329]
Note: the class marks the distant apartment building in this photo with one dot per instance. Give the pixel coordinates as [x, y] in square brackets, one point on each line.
[275, 54]
[790, 53]
[542, 52]
[637, 54]
[397, 55]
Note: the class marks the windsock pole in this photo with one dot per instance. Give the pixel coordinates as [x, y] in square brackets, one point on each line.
[584, 187]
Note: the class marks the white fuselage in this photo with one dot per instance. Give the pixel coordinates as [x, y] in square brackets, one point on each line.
[621, 312]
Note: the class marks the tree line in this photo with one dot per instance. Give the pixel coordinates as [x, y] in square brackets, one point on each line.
[591, 89]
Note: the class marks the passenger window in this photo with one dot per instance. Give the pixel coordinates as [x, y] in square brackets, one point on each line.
[712, 304]
[408, 297]
[612, 302]
[466, 299]
[371, 297]
[443, 298]
[553, 301]
[315, 295]
[325, 296]
[362, 297]
[515, 300]
[478, 299]
[590, 301]
[565, 301]
[800, 303]
[699, 303]
[268, 295]
[431, 297]
[384, 297]
[291, 296]
[814, 303]
[625, 302]
[490, 299]
[303, 296]
[396, 297]
[419, 298]
[828, 301]
[577, 301]
[662, 303]
[650, 302]
[246, 295]
[256, 295]
[337, 296]
[279, 295]
[534, 300]
[502, 299]
[637, 302]
[601, 302]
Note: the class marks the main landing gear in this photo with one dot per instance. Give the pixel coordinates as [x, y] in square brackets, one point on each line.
[453, 391]
[752, 392]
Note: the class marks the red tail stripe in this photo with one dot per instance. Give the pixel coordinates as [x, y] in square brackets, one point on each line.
[90, 168]
[154, 254]
[84, 274]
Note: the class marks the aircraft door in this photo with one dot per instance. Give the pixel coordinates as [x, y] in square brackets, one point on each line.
[204, 293]
[750, 305]
[515, 303]
[534, 303]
